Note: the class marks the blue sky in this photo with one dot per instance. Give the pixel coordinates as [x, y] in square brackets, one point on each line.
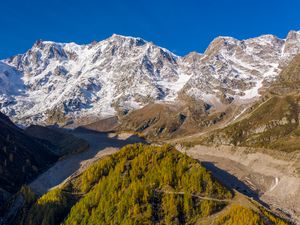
[179, 25]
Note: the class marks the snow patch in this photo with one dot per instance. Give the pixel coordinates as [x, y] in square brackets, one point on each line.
[275, 185]
[174, 87]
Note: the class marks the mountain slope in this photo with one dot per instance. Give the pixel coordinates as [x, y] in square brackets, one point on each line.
[21, 157]
[91, 79]
[65, 83]
[289, 79]
[144, 185]
[61, 143]
[165, 121]
[273, 122]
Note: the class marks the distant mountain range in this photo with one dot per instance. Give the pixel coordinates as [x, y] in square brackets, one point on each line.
[68, 83]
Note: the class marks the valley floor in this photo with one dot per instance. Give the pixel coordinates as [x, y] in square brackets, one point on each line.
[101, 144]
[260, 176]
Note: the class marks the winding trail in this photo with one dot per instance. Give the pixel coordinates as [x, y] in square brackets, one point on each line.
[101, 144]
[194, 196]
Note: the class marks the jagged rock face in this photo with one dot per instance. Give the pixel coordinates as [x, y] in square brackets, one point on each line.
[52, 82]
[292, 44]
[91, 79]
[10, 85]
[236, 68]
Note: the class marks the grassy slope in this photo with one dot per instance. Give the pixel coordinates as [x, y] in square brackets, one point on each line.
[165, 121]
[271, 123]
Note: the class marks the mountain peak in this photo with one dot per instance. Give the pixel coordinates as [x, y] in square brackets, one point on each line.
[122, 36]
[41, 44]
[293, 33]
[126, 38]
[193, 54]
[66, 81]
[293, 36]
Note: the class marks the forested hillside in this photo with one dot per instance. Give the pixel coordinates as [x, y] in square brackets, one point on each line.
[140, 184]
[22, 157]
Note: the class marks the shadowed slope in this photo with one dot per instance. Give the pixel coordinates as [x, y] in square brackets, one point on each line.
[21, 156]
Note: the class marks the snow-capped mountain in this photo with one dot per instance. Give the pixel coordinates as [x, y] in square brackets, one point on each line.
[238, 69]
[67, 80]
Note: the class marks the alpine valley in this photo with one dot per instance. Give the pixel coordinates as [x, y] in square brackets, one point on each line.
[123, 131]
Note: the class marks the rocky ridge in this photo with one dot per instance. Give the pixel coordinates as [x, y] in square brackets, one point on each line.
[62, 82]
